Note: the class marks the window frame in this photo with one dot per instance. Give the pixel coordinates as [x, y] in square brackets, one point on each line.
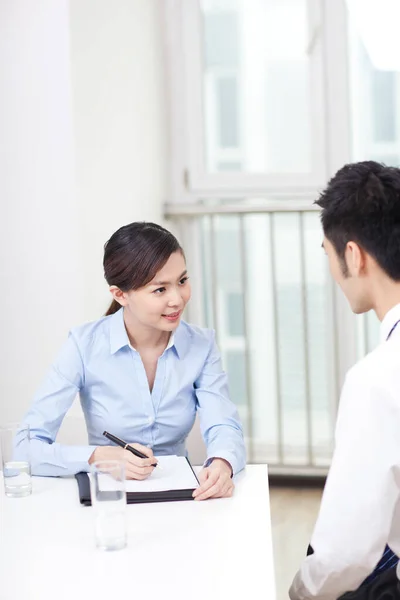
[187, 190]
[182, 20]
[190, 185]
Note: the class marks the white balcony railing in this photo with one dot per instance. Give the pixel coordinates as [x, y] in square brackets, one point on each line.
[260, 279]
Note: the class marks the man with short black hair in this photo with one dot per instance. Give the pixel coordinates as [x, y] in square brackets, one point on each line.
[356, 541]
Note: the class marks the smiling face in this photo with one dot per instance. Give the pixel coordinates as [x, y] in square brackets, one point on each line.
[159, 304]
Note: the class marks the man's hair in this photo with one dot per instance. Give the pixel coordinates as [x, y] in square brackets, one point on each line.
[361, 203]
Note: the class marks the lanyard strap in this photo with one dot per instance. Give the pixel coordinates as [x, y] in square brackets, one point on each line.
[393, 328]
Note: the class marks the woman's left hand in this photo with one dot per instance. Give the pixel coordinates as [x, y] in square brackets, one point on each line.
[215, 481]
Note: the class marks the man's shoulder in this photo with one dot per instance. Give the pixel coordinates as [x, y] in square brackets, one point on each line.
[371, 391]
[378, 366]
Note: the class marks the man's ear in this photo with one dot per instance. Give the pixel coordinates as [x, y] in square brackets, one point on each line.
[355, 259]
[118, 295]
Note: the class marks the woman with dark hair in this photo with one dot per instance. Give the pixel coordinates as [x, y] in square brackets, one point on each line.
[141, 372]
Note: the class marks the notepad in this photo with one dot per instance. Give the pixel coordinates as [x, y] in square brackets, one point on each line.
[175, 481]
[176, 473]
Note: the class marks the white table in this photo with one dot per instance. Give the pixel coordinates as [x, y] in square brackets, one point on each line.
[217, 549]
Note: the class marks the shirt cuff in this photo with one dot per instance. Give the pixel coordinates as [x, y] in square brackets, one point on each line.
[230, 459]
[78, 458]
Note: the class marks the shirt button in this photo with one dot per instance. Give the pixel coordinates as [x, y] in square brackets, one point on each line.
[150, 420]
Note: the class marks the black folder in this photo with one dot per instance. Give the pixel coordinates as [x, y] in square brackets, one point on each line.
[136, 497]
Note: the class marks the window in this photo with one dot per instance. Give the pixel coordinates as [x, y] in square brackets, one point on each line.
[253, 78]
[254, 92]
[375, 112]
[375, 107]
[261, 103]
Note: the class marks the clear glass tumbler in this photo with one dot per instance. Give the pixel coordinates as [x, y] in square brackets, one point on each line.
[15, 455]
[107, 488]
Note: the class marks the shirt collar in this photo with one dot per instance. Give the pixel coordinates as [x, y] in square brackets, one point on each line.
[119, 337]
[389, 320]
[181, 339]
[170, 344]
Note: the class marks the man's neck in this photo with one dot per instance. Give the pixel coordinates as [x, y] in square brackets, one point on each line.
[387, 297]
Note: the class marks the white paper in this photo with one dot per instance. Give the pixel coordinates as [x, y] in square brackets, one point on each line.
[175, 474]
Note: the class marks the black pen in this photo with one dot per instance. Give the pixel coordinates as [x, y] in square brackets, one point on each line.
[126, 446]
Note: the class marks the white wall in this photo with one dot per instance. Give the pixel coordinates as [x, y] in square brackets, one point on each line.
[83, 151]
[120, 124]
[39, 243]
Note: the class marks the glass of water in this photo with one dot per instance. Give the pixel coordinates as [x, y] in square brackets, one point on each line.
[15, 455]
[107, 490]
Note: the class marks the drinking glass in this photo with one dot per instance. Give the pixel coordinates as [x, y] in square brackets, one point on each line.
[107, 488]
[15, 454]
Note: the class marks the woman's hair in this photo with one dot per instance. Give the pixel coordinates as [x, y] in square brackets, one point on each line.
[134, 254]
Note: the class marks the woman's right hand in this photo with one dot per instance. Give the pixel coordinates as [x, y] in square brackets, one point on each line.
[135, 467]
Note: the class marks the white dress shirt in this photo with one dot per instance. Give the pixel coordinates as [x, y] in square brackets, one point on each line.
[360, 507]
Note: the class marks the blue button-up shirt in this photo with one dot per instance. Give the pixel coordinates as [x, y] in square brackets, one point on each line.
[98, 362]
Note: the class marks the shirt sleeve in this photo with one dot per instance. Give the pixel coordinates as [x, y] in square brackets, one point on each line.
[50, 404]
[360, 495]
[219, 420]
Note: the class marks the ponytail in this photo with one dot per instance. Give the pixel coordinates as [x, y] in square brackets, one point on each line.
[113, 308]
